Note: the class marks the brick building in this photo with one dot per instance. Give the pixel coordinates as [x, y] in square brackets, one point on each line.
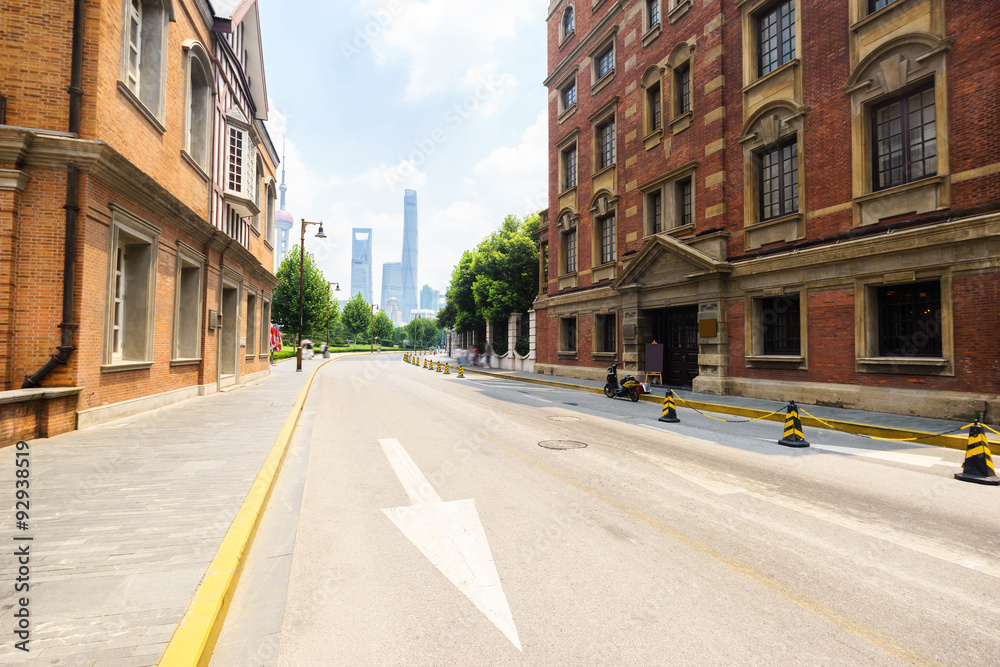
[136, 208]
[791, 199]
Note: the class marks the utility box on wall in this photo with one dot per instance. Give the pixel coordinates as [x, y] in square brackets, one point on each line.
[214, 321]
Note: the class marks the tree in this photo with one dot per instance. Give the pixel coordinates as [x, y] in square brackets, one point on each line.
[506, 268]
[357, 315]
[460, 310]
[316, 299]
[332, 314]
[427, 331]
[382, 326]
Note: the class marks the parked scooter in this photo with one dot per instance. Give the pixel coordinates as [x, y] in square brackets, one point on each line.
[627, 388]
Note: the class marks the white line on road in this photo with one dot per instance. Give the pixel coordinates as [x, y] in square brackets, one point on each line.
[537, 398]
[895, 457]
[452, 538]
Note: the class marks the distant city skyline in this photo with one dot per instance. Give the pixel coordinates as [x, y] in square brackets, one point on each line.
[411, 253]
[361, 262]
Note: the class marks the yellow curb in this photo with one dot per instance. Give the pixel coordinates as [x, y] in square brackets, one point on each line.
[926, 438]
[194, 637]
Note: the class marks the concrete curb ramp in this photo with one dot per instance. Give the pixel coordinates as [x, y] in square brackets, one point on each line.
[924, 438]
[194, 637]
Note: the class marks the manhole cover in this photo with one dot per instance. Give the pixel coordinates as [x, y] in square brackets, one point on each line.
[564, 419]
[562, 444]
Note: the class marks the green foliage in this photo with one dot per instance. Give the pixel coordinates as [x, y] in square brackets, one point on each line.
[500, 346]
[427, 332]
[498, 278]
[316, 298]
[357, 315]
[382, 326]
[523, 346]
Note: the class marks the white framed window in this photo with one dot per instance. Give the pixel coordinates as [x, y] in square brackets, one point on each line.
[188, 288]
[269, 232]
[131, 292]
[242, 169]
[144, 55]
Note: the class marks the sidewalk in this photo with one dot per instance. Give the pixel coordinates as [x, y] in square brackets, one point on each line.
[861, 422]
[126, 517]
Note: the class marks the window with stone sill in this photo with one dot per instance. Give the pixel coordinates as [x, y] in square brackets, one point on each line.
[775, 37]
[904, 139]
[143, 57]
[265, 326]
[568, 24]
[604, 135]
[567, 96]
[606, 233]
[778, 179]
[131, 290]
[670, 203]
[909, 320]
[652, 13]
[569, 251]
[187, 304]
[568, 157]
[682, 87]
[604, 62]
[605, 333]
[198, 111]
[567, 334]
[251, 325]
[653, 102]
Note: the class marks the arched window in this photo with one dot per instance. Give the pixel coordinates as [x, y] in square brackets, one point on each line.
[198, 110]
[569, 22]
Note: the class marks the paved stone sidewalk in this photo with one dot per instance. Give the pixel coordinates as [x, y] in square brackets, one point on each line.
[126, 517]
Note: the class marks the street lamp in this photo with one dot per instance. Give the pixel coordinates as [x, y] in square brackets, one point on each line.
[328, 315]
[371, 331]
[302, 264]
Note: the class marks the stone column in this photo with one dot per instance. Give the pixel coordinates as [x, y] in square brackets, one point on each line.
[713, 355]
[12, 184]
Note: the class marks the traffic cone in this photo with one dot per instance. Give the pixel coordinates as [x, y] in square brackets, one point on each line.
[793, 429]
[669, 413]
[461, 372]
[447, 369]
[978, 466]
[438, 368]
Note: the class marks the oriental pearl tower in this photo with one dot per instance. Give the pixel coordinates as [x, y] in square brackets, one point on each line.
[283, 220]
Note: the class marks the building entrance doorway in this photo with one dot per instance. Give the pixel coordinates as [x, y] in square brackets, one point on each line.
[677, 330]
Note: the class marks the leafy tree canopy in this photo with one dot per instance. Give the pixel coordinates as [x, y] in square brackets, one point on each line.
[382, 326]
[316, 298]
[498, 278]
[357, 315]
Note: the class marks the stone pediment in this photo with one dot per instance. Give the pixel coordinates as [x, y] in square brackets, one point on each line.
[665, 260]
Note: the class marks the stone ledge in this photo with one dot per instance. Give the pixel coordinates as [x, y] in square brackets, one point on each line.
[24, 395]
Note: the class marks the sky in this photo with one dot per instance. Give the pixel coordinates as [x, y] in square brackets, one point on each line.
[372, 97]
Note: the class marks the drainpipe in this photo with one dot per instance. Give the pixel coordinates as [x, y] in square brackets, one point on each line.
[72, 208]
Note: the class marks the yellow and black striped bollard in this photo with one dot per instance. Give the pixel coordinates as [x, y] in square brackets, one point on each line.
[669, 413]
[461, 372]
[447, 369]
[793, 429]
[978, 466]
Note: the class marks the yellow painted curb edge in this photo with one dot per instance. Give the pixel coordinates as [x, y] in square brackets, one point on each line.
[194, 637]
[950, 441]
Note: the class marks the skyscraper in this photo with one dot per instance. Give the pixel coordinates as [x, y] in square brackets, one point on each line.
[361, 263]
[392, 284]
[409, 254]
[283, 221]
[429, 299]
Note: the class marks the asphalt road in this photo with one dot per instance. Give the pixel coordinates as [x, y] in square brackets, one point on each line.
[434, 529]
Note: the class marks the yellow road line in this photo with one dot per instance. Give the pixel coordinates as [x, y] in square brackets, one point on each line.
[873, 637]
[194, 637]
[887, 432]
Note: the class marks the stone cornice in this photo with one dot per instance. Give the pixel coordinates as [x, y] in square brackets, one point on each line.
[30, 149]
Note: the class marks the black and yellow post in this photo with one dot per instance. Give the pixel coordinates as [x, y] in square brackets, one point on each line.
[978, 466]
[461, 372]
[438, 368]
[793, 429]
[669, 413]
[447, 369]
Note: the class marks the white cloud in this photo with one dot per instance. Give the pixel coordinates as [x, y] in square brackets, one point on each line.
[520, 172]
[395, 178]
[425, 36]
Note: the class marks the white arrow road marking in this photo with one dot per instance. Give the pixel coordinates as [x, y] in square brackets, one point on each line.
[452, 538]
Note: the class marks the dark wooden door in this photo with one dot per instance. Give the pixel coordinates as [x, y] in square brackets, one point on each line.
[677, 329]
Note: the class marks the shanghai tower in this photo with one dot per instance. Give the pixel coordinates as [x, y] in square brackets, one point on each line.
[409, 254]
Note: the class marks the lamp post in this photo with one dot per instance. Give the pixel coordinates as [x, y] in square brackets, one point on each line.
[371, 330]
[302, 264]
[328, 315]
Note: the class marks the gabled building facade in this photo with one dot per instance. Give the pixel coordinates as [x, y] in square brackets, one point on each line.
[136, 229]
[777, 198]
